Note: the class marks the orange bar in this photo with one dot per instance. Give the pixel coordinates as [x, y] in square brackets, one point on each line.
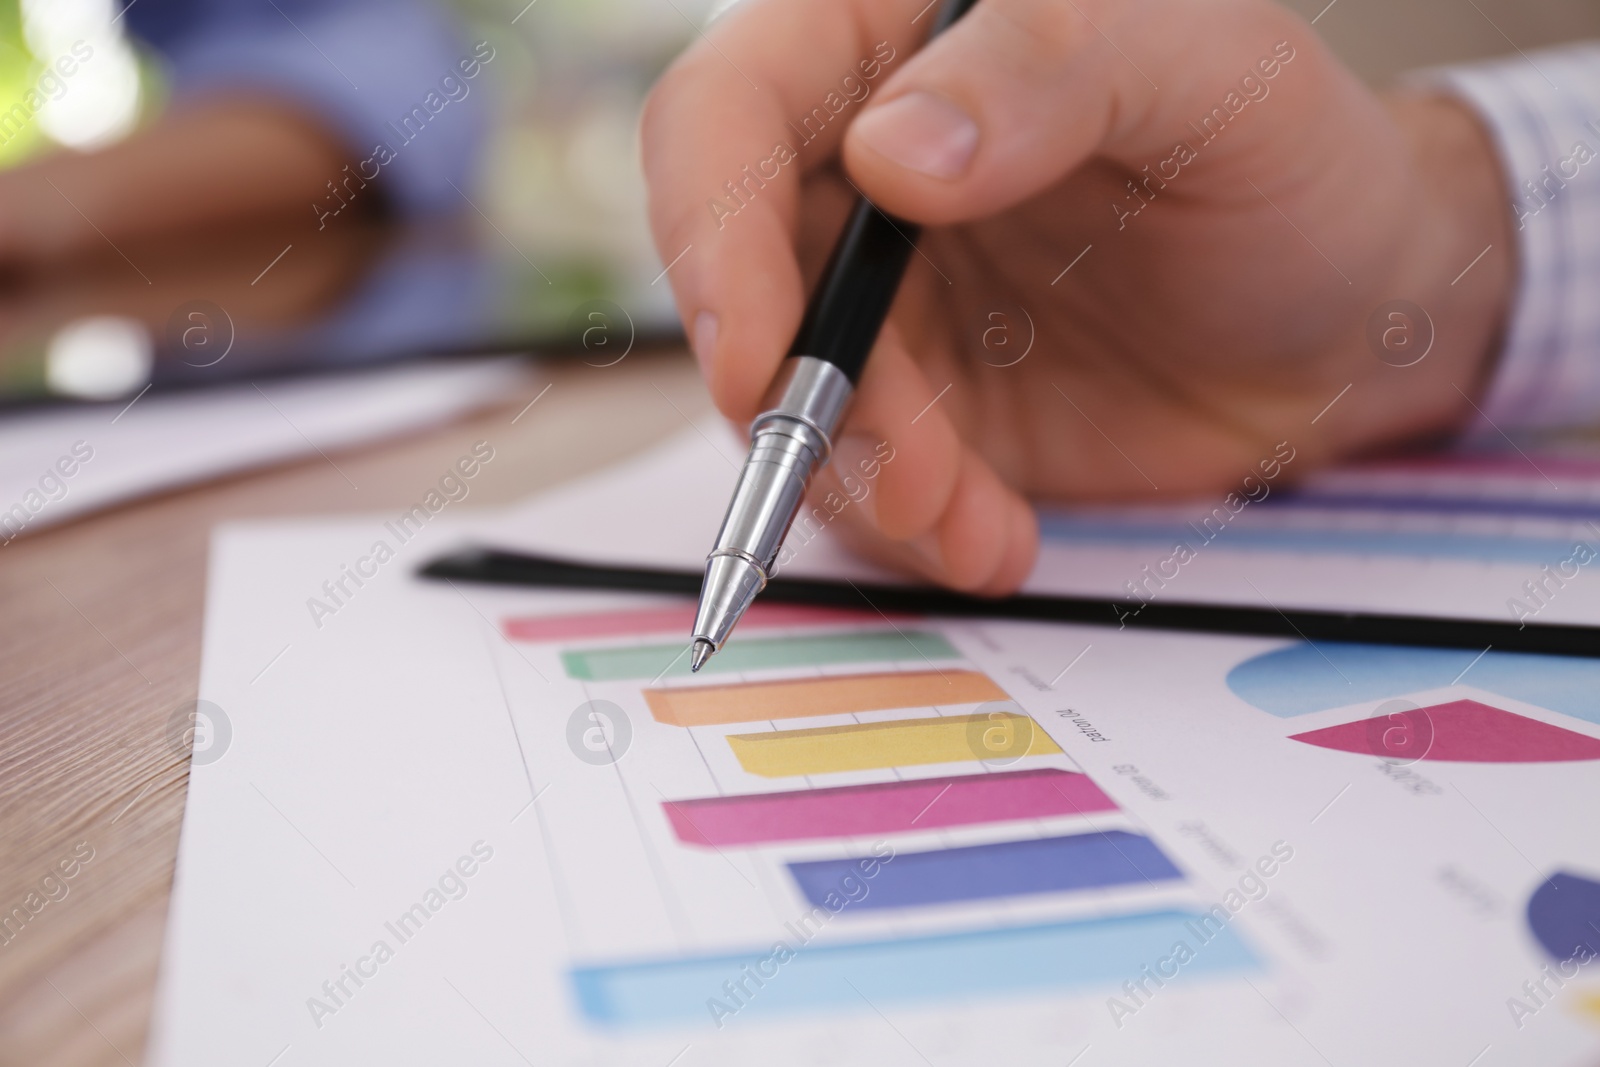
[794, 698]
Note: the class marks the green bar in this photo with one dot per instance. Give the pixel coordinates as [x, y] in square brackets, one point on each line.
[650, 661]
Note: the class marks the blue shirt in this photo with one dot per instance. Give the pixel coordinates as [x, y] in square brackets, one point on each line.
[392, 78]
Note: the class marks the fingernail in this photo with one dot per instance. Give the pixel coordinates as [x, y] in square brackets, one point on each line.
[705, 339]
[856, 465]
[921, 132]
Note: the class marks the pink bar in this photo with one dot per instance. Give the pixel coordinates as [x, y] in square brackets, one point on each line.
[856, 810]
[678, 617]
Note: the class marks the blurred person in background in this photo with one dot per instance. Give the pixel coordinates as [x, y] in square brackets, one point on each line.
[307, 109]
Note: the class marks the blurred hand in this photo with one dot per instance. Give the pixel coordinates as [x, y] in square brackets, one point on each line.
[1234, 205]
[194, 168]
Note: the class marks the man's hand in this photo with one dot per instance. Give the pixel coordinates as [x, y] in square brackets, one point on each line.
[1183, 213]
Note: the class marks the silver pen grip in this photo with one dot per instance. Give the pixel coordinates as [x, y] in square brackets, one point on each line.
[788, 443]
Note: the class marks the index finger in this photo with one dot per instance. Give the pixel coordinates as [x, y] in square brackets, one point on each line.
[762, 97]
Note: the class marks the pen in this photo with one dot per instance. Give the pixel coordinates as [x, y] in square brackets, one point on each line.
[791, 440]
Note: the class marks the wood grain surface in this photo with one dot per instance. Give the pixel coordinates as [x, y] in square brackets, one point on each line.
[100, 646]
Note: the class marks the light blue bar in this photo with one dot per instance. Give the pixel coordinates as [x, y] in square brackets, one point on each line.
[1411, 504]
[1491, 548]
[1016, 960]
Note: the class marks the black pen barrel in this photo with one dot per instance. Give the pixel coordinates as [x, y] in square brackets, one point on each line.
[858, 285]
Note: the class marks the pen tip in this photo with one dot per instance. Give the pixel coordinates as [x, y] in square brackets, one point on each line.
[702, 652]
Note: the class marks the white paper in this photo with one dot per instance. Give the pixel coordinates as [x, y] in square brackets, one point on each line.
[159, 442]
[370, 751]
[1444, 538]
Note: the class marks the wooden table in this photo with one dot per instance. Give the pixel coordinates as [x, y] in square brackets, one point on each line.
[100, 644]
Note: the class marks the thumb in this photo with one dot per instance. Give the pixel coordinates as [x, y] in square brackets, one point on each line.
[1020, 92]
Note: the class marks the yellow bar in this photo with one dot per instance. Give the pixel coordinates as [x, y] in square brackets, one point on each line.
[900, 743]
[794, 698]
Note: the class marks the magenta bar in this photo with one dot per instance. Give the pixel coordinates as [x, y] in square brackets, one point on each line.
[855, 810]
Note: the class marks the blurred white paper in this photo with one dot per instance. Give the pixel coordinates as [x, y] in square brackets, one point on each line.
[163, 441]
[1454, 536]
[662, 509]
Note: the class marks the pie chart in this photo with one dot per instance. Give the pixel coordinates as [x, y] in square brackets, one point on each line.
[1303, 678]
[1564, 916]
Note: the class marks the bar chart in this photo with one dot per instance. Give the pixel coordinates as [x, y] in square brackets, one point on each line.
[1003, 869]
[901, 743]
[802, 697]
[642, 662]
[1483, 509]
[852, 811]
[945, 967]
[916, 835]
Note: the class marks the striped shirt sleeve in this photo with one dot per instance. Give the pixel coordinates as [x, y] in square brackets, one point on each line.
[1543, 111]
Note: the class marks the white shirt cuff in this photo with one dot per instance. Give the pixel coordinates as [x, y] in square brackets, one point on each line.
[1543, 111]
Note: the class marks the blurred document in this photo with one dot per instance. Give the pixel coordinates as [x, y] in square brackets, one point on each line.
[1497, 538]
[65, 462]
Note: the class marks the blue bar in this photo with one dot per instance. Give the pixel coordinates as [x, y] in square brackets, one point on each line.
[981, 872]
[1442, 544]
[1019, 960]
[1521, 508]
